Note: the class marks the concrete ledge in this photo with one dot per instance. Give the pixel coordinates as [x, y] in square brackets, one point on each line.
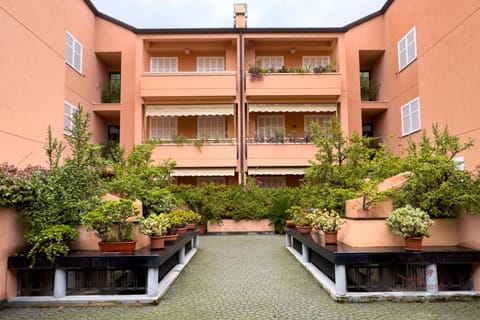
[92, 300]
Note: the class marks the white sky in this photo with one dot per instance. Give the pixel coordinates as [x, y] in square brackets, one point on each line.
[219, 13]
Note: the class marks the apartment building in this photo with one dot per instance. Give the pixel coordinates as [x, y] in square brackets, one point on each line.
[235, 102]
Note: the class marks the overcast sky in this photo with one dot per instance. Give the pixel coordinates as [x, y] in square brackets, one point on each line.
[219, 13]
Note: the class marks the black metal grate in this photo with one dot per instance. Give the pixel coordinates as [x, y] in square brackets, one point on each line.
[322, 264]
[35, 282]
[407, 277]
[104, 282]
[167, 266]
[297, 245]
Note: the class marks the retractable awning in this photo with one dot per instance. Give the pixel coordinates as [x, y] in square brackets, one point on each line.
[203, 172]
[189, 110]
[275, 171]
[292, 107]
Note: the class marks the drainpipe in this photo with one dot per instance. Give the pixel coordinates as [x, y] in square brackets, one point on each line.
[241, 115]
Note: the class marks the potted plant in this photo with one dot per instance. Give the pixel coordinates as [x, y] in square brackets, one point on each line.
[178, 222]
[110, 220]
[329, 221]
[155, 226]
[302, 219]
[190, 218]
[410, 223]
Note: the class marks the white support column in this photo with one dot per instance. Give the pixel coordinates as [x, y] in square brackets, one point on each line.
[181, 255]
[152, 282]
[196, 241]
[340, 280]
[431, 278]
[60, 283]
[288, 240]
[305, 253]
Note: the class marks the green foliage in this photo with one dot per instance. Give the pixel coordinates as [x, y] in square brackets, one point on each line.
[154, 225]
[409, 222]
[246, 202]
[53, 148]
[327, 220]
[301, 217]
[435, 185]
[281, 200]
[109, 220]
[138, 178]
[51, 241]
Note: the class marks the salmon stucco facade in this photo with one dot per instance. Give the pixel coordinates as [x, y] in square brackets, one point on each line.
[235, 102]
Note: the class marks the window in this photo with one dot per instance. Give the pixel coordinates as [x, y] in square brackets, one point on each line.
[68, 112]
[272, 181]
[411, 117]
[211, 180]
[275, 62]
[210, 64]
[74, 53]
[321, 119]
[212, 127]
[164, 64]
[163, 128]
[407, 49]
[270, 126]
[315, 61]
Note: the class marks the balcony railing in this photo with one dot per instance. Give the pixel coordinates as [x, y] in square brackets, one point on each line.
[294, 84]
[188, 84]
[198, 154]
[280, 154]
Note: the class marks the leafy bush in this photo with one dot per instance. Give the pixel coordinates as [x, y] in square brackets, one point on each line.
[109, 220]
[409, 222]
[154, 225]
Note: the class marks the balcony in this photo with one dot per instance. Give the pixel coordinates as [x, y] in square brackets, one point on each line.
[280, 154]
[325, 85]
[197, 155]
[188, 84]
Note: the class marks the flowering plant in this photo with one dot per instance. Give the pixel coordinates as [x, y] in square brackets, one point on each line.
[154, 225]
[409, 222]
[327, 220]
[300, 216]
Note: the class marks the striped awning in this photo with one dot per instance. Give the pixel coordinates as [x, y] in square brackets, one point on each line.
[203, 172]
[292, 107]
[275, 171]
[183, 110]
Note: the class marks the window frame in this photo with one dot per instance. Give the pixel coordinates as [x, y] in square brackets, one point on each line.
[162, 129]
[406, 51]
[175, 59]
[272, 182]
[262, 66]
[315, 57]
[71, 111]
[210, 58]
[217, 181]
[220, 129]
[407, 116]
[74, 57]
[265, 116]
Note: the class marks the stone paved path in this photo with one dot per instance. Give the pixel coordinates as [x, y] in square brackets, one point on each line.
[251, 277]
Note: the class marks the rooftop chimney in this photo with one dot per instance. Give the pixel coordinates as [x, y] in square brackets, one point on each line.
[240, 10]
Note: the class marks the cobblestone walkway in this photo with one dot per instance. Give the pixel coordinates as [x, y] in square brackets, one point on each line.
[251, 277]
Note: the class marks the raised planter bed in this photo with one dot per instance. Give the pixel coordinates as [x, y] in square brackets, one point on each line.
[242, 226]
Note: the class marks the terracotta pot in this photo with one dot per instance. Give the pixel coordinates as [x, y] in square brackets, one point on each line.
[202, 229]
[182, 231]
[304, 229]
[170, 238]
[413, 243]
[190, 226]
[290, 224]
[127, 247]
[330, 237]
[157, 242]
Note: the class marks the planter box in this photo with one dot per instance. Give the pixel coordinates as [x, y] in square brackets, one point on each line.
[229, 225]
[375, 233]
[378, 210]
